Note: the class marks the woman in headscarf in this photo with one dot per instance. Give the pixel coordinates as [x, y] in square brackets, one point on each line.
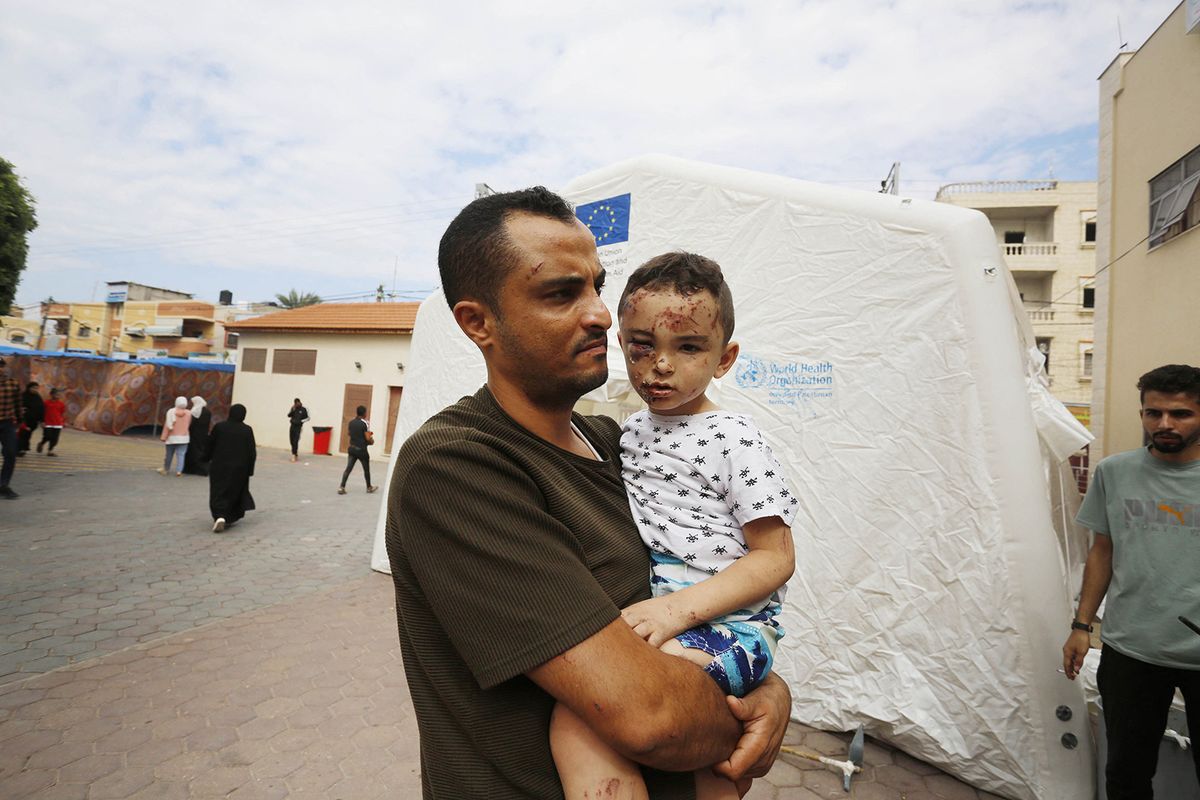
[231, 455]
[175, 436]
[193, 460]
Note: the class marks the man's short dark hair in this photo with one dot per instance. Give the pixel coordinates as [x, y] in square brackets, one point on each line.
[476, 255]
[685, 273]
[297, 400]
[31, 385]
[1171, 379]
[361, 410]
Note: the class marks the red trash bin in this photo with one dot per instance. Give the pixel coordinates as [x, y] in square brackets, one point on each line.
[321, 438]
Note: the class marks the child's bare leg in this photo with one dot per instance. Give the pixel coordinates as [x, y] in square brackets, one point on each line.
[708, 785]
[587, 766]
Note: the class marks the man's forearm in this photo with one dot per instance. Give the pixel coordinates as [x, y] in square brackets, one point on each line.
[1097, 573]
[690, 726]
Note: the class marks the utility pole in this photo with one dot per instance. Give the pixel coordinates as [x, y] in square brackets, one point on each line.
[891, 184]
[45, 312]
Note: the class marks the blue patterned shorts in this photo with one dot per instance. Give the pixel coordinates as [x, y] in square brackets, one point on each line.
[742, 652]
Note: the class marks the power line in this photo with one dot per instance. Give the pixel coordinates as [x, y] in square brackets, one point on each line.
[1097, 273]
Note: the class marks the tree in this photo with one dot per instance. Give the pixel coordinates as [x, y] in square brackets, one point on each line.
[294, 299]
[17, 219]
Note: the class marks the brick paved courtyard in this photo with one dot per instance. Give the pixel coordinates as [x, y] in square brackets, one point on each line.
[142, 656]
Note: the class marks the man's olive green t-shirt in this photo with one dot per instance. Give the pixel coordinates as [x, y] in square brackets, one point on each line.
[505, 552]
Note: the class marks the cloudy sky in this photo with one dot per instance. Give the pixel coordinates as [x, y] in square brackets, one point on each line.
[321, 146]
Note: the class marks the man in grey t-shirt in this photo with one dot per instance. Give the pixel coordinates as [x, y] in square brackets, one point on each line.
[1144, 508]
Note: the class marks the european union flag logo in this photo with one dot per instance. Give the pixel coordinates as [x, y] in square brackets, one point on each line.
[607, 219]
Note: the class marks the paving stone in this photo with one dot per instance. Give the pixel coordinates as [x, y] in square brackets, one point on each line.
[122, 784]
[26, 783]
[913, 765]
[212, 738]
[948, 788]
[270, 789]
[899, 777]
[153, 752]
[65, 791]
[90, 768]
[58, 755]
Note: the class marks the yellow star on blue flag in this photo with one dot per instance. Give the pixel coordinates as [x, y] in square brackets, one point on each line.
[607, 219]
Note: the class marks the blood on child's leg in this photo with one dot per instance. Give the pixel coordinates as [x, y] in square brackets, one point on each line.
[587, 766]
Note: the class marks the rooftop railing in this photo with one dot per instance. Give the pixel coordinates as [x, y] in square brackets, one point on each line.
[988, 187]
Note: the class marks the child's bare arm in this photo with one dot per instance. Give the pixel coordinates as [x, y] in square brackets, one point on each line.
[767, 566]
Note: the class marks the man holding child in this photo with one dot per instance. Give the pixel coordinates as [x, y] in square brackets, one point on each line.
[513, 549]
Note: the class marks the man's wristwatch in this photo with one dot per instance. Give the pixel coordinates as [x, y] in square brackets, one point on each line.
[1076, 625]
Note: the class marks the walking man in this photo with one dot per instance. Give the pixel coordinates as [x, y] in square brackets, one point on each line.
[297, 415]
[1144, 508]
[361, 438]
[35, 410]
[10, 418]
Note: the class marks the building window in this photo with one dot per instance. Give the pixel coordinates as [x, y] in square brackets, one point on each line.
[231, 340]
[1087, 287]
[1085, 361]
[1043, 346]
[16, 337]
[1088, 235]
[254, 359]
[1175, 199]
[85, 332]
[294, 362]
[1014, 237]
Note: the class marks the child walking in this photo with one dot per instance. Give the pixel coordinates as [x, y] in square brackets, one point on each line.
[709, 500]
[52, 423]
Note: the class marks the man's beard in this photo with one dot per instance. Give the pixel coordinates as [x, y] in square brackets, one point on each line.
[1173, 445]
[558, 390]
[552, 389]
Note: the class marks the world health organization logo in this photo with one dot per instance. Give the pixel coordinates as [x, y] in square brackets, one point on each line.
[607, 219]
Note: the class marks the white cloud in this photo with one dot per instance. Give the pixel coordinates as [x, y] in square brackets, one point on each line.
[261, 146]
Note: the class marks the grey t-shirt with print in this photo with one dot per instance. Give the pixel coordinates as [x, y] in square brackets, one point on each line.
[1151, 510]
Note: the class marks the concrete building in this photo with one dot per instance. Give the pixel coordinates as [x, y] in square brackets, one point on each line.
[1149, 220]
[334, 357]
[1047, 231]
[138, 320]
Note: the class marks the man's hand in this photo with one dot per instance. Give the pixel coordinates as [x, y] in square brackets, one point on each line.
[656, 620]
[764, 716]
[1074, 651]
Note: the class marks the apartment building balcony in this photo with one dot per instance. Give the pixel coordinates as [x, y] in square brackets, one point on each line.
[1031, 249]
[1037, 257]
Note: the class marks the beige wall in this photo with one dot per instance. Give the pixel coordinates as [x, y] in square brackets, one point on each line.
[1050, 279]
[268, 396]
[1110, 84]
[93, 316]
[12, 328]
[1151, 303]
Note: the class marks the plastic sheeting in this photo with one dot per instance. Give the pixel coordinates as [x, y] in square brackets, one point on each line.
[885, 359]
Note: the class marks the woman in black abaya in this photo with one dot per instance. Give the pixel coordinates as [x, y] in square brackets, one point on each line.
[193, 459]
[231, 454]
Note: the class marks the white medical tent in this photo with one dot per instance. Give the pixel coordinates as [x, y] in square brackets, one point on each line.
[887, 358]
